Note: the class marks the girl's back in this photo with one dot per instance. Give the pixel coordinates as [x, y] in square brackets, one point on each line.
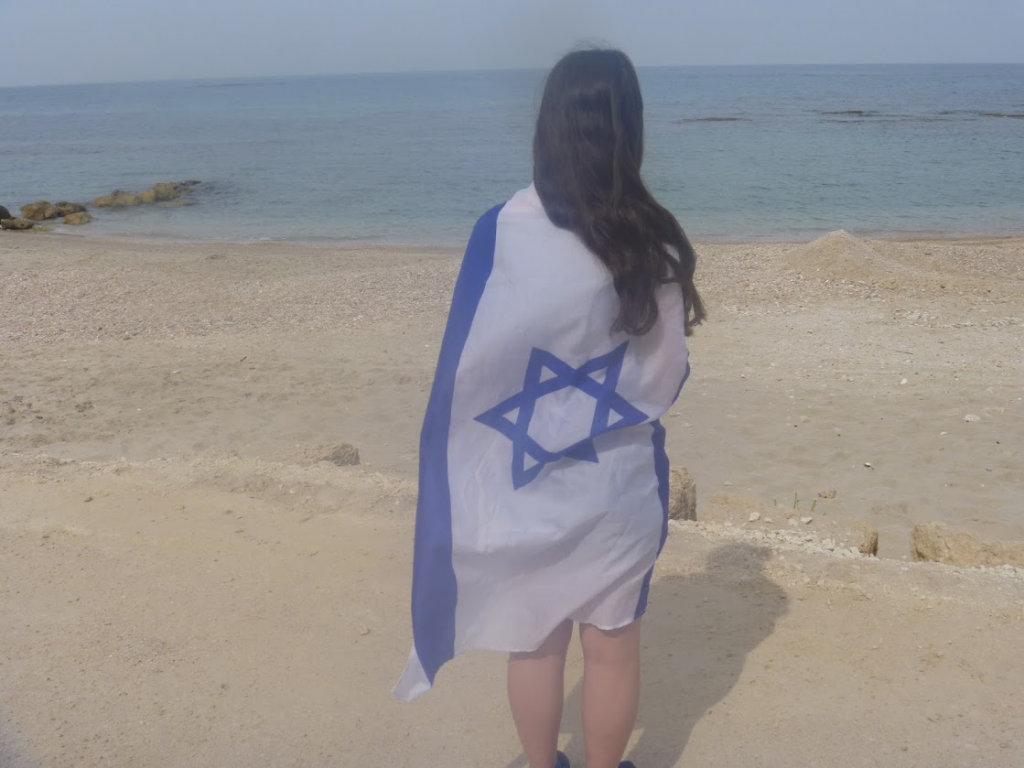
[543, 474]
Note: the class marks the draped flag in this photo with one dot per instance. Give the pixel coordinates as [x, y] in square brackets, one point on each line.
[543, 474]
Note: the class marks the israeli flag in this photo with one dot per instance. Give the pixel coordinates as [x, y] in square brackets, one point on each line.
[543, 474]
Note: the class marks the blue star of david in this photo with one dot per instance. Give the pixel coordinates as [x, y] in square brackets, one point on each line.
[535, 386]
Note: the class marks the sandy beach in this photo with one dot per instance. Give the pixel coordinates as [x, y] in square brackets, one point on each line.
[185, 581]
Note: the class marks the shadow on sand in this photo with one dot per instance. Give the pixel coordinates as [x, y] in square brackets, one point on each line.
[697, 633]
[12, 754]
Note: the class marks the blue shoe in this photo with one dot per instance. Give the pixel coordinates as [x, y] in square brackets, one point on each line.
[627, 764]
[562, 761]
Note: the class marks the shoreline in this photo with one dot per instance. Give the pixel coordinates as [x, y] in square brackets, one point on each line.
[355, 244]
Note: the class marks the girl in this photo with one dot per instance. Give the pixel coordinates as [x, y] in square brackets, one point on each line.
[543, 474]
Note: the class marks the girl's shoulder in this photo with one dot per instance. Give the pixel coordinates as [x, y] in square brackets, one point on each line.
[523, 206]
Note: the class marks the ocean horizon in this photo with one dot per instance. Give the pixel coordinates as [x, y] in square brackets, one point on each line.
[736, 152]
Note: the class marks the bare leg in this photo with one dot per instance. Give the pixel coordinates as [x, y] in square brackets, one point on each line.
[536, 690]
[611, 691]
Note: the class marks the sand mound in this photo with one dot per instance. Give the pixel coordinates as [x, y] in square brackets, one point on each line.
[839, 256]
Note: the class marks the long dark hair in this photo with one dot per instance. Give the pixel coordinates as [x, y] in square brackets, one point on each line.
[587, 153]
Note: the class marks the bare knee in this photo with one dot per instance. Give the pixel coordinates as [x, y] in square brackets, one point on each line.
[614, 647]
[555, 645]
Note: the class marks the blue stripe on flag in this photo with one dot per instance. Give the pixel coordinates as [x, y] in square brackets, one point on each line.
[434, 590]
[661, 468]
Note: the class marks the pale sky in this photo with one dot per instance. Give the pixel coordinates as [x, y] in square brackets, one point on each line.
[74, 41]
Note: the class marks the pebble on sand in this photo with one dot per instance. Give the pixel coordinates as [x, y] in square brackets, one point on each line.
[345, 455]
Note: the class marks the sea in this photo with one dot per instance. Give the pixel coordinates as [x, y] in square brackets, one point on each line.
[737, 153]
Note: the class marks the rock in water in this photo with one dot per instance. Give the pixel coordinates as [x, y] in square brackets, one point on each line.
[344, 455]
[682, 496]
[66, 209]
[16, 225]
[117, 199]
[77, 219]
[939, 543]
[5, 214]
[164, 192]
[39, 211]
[147, 196]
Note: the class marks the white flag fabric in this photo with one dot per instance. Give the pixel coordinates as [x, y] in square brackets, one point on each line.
[543, 474]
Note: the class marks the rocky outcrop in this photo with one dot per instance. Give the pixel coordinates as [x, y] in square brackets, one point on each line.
[77, 219]
[117, 199]
[939, 543]
[5, 214]
[165, 192]
[65, 208]
[682, 496]
[39, 211]
[16, 225]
